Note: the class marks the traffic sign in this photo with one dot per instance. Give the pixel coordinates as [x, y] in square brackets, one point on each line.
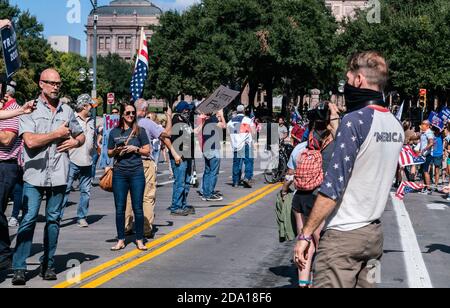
[111, 98]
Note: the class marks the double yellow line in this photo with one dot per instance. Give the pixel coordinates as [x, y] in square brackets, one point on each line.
[122, 264]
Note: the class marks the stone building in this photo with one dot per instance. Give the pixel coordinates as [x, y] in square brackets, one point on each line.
[344, 8]
[118, 27]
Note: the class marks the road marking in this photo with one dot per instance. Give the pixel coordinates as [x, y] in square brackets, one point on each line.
[416, 270]
[437, 206]
[145, 258]
[134, 253]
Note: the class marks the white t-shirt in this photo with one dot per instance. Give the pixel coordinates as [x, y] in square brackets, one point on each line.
[241, 128]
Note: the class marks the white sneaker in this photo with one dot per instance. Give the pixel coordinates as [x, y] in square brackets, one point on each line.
[13, 222]
[82, 223]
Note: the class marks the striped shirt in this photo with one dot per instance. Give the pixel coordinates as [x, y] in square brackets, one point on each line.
[10, 152]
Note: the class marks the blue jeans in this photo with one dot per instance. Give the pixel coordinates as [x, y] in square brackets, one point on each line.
[133, 182]
[245, 156]
[95, 159]
[8, 177]
[84, 175]
[182, 174]
[32, 198]
[18, 195]
[210, 176]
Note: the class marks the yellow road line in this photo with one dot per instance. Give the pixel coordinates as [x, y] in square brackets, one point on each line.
[118, 271]
[134, 253]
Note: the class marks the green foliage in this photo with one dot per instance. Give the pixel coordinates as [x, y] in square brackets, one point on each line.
[414, 36]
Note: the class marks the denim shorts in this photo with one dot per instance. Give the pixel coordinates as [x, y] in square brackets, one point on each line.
[437, 161]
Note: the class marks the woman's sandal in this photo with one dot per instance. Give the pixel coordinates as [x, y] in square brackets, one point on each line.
[118, 248]
[141, 248]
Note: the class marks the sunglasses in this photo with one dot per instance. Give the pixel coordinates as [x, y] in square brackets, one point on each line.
[130, 113]
[53, 83]
[115, 112]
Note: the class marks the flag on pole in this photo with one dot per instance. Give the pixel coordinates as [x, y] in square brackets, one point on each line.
[400, 112]
[141, 69]
[409, 158]
[406, 188]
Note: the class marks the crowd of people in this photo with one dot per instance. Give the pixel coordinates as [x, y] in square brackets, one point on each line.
[342, 170]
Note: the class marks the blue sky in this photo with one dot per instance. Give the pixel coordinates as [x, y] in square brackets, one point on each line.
[53, 15]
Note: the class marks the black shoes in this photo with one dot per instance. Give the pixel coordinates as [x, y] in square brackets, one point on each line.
[19, 278]
[190, 210]
[48, 274]
[182, 213]
[247, 183]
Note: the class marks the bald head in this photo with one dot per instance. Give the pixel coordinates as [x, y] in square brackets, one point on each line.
[50, 83]
[50, 74]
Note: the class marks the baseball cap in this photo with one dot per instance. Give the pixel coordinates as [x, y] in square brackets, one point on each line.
[182, 106]
[84, 99]
[240, 108]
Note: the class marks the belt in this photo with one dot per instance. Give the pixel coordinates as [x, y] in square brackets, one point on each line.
[9, 161]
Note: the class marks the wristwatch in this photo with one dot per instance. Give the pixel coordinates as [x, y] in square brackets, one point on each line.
[138, 150]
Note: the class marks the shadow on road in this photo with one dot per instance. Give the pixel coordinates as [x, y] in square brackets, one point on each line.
[435, 247]
[287, 272]
[73, 221]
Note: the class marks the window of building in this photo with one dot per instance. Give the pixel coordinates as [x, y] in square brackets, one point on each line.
[101, 43]
[128, 43]
[108, 43]
[121, 42]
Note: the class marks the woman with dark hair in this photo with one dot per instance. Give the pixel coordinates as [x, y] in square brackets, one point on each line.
[127, 144]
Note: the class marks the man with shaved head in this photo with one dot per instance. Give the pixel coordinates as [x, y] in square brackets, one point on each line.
[48, 133]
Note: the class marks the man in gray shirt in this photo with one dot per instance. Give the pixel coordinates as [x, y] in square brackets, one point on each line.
[81, 159]
[48, 133]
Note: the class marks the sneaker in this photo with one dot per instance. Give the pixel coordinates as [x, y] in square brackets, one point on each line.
[82, 223]
[48, 275]
[218, 193]
[426, 192]
[13, 222]
[190, 210]
[246, 183]
[183, 213]
[214, 198]
[19, 278]
[448, 197]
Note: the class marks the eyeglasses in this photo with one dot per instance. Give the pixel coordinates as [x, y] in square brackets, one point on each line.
[130, 113]
[53, 83]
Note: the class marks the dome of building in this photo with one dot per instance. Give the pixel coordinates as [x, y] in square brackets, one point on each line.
[129, 7]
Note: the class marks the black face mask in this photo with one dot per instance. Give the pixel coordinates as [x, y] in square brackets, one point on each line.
[356, 98]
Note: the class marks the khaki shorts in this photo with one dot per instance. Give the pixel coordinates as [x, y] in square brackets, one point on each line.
[349, 259]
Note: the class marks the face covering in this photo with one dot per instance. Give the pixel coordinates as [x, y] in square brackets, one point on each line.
[356, 98]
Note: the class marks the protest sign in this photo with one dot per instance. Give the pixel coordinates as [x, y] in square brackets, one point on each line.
[109, 123]
[221, 98]
[445, 114]
[436, 121]
[10, 50]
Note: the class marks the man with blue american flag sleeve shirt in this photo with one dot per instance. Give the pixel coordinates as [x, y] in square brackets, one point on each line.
[356, 186]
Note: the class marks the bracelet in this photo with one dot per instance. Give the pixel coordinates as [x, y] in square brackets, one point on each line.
[335, 119]
[302, 237]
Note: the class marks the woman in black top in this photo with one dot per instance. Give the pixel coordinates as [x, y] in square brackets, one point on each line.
[127, 144]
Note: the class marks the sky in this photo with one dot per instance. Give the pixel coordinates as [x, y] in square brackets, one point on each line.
[53, 14]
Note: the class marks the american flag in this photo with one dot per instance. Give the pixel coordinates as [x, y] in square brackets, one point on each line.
[141, 70]
[406, 188]
[408, 157]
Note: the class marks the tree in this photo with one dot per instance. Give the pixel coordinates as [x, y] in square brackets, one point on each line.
[239, 42]
[413, 35]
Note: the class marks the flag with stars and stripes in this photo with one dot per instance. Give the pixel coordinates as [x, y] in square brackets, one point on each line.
[141, 70]
[409, 158]
[406, 188]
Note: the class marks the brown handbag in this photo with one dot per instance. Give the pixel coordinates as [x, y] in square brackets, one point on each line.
[106, 181]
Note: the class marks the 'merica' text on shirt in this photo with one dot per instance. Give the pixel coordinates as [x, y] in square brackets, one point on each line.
[389, 137]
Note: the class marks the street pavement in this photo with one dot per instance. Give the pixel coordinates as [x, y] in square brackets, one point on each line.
[230, 244]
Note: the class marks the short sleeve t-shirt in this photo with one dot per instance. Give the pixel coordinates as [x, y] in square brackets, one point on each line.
[438, 147]
[424, 139]
[131, 162]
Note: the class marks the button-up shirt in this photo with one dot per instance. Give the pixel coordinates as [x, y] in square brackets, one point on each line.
[45, 166]
[83, 156]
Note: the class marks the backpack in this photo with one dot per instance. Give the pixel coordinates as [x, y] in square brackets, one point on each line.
[309, 172]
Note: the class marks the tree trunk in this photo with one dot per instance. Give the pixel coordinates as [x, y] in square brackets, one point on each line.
[252, 94]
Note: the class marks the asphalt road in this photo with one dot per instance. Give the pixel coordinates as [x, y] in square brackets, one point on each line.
[231, 244]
